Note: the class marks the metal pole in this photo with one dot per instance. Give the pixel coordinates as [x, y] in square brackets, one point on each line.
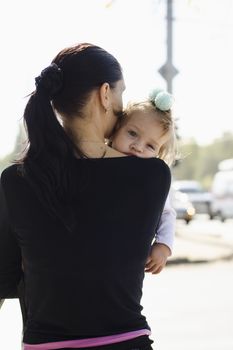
[169, 42]
[168, 71]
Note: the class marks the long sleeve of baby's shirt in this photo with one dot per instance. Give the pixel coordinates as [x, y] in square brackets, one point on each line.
[166, 228]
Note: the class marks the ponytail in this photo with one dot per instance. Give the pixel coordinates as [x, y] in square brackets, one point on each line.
[48, 163]
[43, 127]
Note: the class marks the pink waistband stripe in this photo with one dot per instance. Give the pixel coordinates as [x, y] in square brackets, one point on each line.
[88, 342]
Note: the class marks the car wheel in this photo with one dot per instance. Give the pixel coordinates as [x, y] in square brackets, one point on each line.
[209, 211]
[222, 218]
[211, 216]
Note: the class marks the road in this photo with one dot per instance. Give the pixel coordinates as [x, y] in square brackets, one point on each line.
[203, 240]
[188, 306]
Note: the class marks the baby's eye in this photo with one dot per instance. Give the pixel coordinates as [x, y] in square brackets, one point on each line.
[132, 133]
[151, 147]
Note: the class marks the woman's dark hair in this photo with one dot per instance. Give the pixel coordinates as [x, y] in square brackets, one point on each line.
[64, 86]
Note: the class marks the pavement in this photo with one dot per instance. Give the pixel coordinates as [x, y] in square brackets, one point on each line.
[192, 247]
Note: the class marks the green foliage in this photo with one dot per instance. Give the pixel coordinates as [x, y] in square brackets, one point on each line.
[201, 162]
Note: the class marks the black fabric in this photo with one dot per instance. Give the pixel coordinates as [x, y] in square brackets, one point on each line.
[87, 283]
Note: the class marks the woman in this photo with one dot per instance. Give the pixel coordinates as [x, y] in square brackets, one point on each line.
[79, 217]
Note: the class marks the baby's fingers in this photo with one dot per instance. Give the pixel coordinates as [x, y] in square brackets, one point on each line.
[157, 270]
[149, 264]
[151, 267]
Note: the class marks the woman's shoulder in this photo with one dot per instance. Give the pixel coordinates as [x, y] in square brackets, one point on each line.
[157, 163]
[153, 165]
[138, 166]
[10, 173]
[144, 163]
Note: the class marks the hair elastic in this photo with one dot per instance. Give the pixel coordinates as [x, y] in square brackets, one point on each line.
[50, 81]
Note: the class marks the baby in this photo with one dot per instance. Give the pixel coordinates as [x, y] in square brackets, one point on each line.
[147, 130]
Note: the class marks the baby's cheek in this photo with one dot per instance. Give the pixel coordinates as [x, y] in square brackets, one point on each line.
[119, 144]
[113, 141]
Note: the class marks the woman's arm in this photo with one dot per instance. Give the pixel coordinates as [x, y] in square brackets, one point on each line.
[10, 254]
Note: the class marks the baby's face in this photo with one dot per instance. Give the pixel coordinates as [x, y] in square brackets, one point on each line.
[140, 135]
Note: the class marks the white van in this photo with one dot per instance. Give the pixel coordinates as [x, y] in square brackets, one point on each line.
[222, 190]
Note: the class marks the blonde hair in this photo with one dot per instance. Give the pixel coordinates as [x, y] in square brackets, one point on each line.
[168, 151]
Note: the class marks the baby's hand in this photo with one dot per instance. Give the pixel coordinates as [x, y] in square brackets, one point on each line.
[157, 258]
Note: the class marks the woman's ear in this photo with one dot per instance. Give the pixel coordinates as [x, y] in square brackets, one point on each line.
[105, 96]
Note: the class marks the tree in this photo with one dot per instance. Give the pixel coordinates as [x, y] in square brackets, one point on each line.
[201, 162]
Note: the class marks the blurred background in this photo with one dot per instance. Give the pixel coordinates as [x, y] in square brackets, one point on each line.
[186, 47]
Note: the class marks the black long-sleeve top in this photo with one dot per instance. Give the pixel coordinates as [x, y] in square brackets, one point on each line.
[88, 282]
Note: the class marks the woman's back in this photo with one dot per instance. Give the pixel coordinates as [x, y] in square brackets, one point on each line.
[88, 282]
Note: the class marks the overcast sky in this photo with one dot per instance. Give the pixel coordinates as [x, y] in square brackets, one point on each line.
[32, 33]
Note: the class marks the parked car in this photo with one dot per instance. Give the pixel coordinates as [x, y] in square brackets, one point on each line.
[183, 207]
[222, 190]
[200, 199]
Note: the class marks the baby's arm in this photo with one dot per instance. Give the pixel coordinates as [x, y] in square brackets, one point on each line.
[167, 225]
[163, 245]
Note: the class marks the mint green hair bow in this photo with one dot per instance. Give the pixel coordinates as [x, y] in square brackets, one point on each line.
[161, 99]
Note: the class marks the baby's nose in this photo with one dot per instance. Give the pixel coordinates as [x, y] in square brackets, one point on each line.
[138, 147]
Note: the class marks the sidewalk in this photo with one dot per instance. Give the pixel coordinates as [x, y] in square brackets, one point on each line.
[197, 248]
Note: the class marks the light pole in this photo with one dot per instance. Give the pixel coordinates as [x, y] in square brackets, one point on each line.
[168, 71]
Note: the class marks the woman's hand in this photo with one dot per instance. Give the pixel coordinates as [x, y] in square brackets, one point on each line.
[157, 258]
